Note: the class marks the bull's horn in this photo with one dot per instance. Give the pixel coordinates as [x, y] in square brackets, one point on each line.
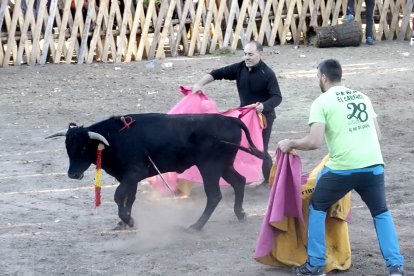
[59, 133]
[97, 136]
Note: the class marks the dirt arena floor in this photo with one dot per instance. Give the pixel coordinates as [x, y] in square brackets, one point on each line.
[49, 225]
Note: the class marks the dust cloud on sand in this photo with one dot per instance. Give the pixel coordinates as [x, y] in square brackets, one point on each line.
[49, 226]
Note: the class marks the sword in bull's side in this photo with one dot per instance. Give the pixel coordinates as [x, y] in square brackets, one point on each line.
[162, 177]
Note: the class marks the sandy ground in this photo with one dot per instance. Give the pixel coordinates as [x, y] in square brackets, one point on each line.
[49, 226]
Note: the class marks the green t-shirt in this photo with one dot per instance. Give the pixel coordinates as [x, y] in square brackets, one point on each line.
[350, 132]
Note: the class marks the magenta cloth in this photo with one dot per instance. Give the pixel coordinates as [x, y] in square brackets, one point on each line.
[285, 199]
[193, 103]
[246, 164]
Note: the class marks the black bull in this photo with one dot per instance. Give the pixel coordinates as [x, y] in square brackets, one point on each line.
[173, 142]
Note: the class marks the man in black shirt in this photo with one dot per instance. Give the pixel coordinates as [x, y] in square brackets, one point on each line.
[256, 84]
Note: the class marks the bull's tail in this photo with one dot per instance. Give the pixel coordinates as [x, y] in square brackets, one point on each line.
[252, 149]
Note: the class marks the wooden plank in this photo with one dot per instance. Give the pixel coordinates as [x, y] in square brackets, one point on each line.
[325, 19]
[48, 37]
[80, 30]
[28, 46]
[35, 54]
[220, 23]
[122, 37]
[251, 25]
[97, 31]
[207, 26]
[171, 38]
[278, 7]
[302, 21]
[129, 30]
[53, 46]
[118, 15]
[194, 28]
[175, 36]
[182, 30]
[314, 13]
[229, 27]
[74, 31]
[8, 21]
[133, 35]
[157, 29]
[265, 28]
[48, 31]
[405, 23]
[23, 37]
[240, 21]
[3, 8]
[109, 37]
[217, 25]
[383, 24]
[394, 22]
[194, 34]
[288, 20]
[293, 28]
[62, 32]
[145, 29]
[25, 28]
[85, 33]
[358, 10]
[167, 25]
[11, 42]
[337, 9]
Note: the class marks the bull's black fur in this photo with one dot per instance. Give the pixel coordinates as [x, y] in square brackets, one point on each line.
[174, 143]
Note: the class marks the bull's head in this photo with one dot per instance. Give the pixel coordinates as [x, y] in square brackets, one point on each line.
[81, 148]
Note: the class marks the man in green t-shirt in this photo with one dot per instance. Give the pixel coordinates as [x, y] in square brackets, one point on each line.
[347, 121]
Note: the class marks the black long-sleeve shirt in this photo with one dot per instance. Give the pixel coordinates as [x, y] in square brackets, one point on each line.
[257, 85]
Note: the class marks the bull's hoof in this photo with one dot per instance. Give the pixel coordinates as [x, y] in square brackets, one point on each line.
[124, 226]
[241, 216]
[194, 227]
[131, 222]
[120, 226]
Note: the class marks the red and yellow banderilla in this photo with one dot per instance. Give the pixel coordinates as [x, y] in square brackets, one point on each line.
[98, 174]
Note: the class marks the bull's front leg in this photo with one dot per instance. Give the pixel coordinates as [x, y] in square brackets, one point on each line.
[124, 197]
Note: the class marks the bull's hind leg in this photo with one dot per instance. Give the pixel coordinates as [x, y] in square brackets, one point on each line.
[238, 182]
[213, 193]
[124, 197]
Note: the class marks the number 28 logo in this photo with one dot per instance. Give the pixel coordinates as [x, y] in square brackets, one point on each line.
[358, 111]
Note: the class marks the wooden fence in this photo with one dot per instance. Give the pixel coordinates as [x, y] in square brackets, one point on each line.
[84, 31]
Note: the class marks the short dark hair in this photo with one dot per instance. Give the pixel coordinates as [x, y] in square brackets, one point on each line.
[259, 46]
[332, 69]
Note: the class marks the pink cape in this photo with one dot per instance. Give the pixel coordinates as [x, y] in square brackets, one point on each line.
[284, 200]
[283, 236]
[246, 164]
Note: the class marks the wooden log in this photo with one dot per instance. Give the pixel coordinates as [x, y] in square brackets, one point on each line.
[347, 34]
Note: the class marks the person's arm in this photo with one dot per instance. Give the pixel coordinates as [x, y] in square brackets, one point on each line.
[312, 141]
[206, 79]
[275, 95]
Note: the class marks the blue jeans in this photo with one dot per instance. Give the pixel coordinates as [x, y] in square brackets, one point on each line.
[369, 13]
[331, 186]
